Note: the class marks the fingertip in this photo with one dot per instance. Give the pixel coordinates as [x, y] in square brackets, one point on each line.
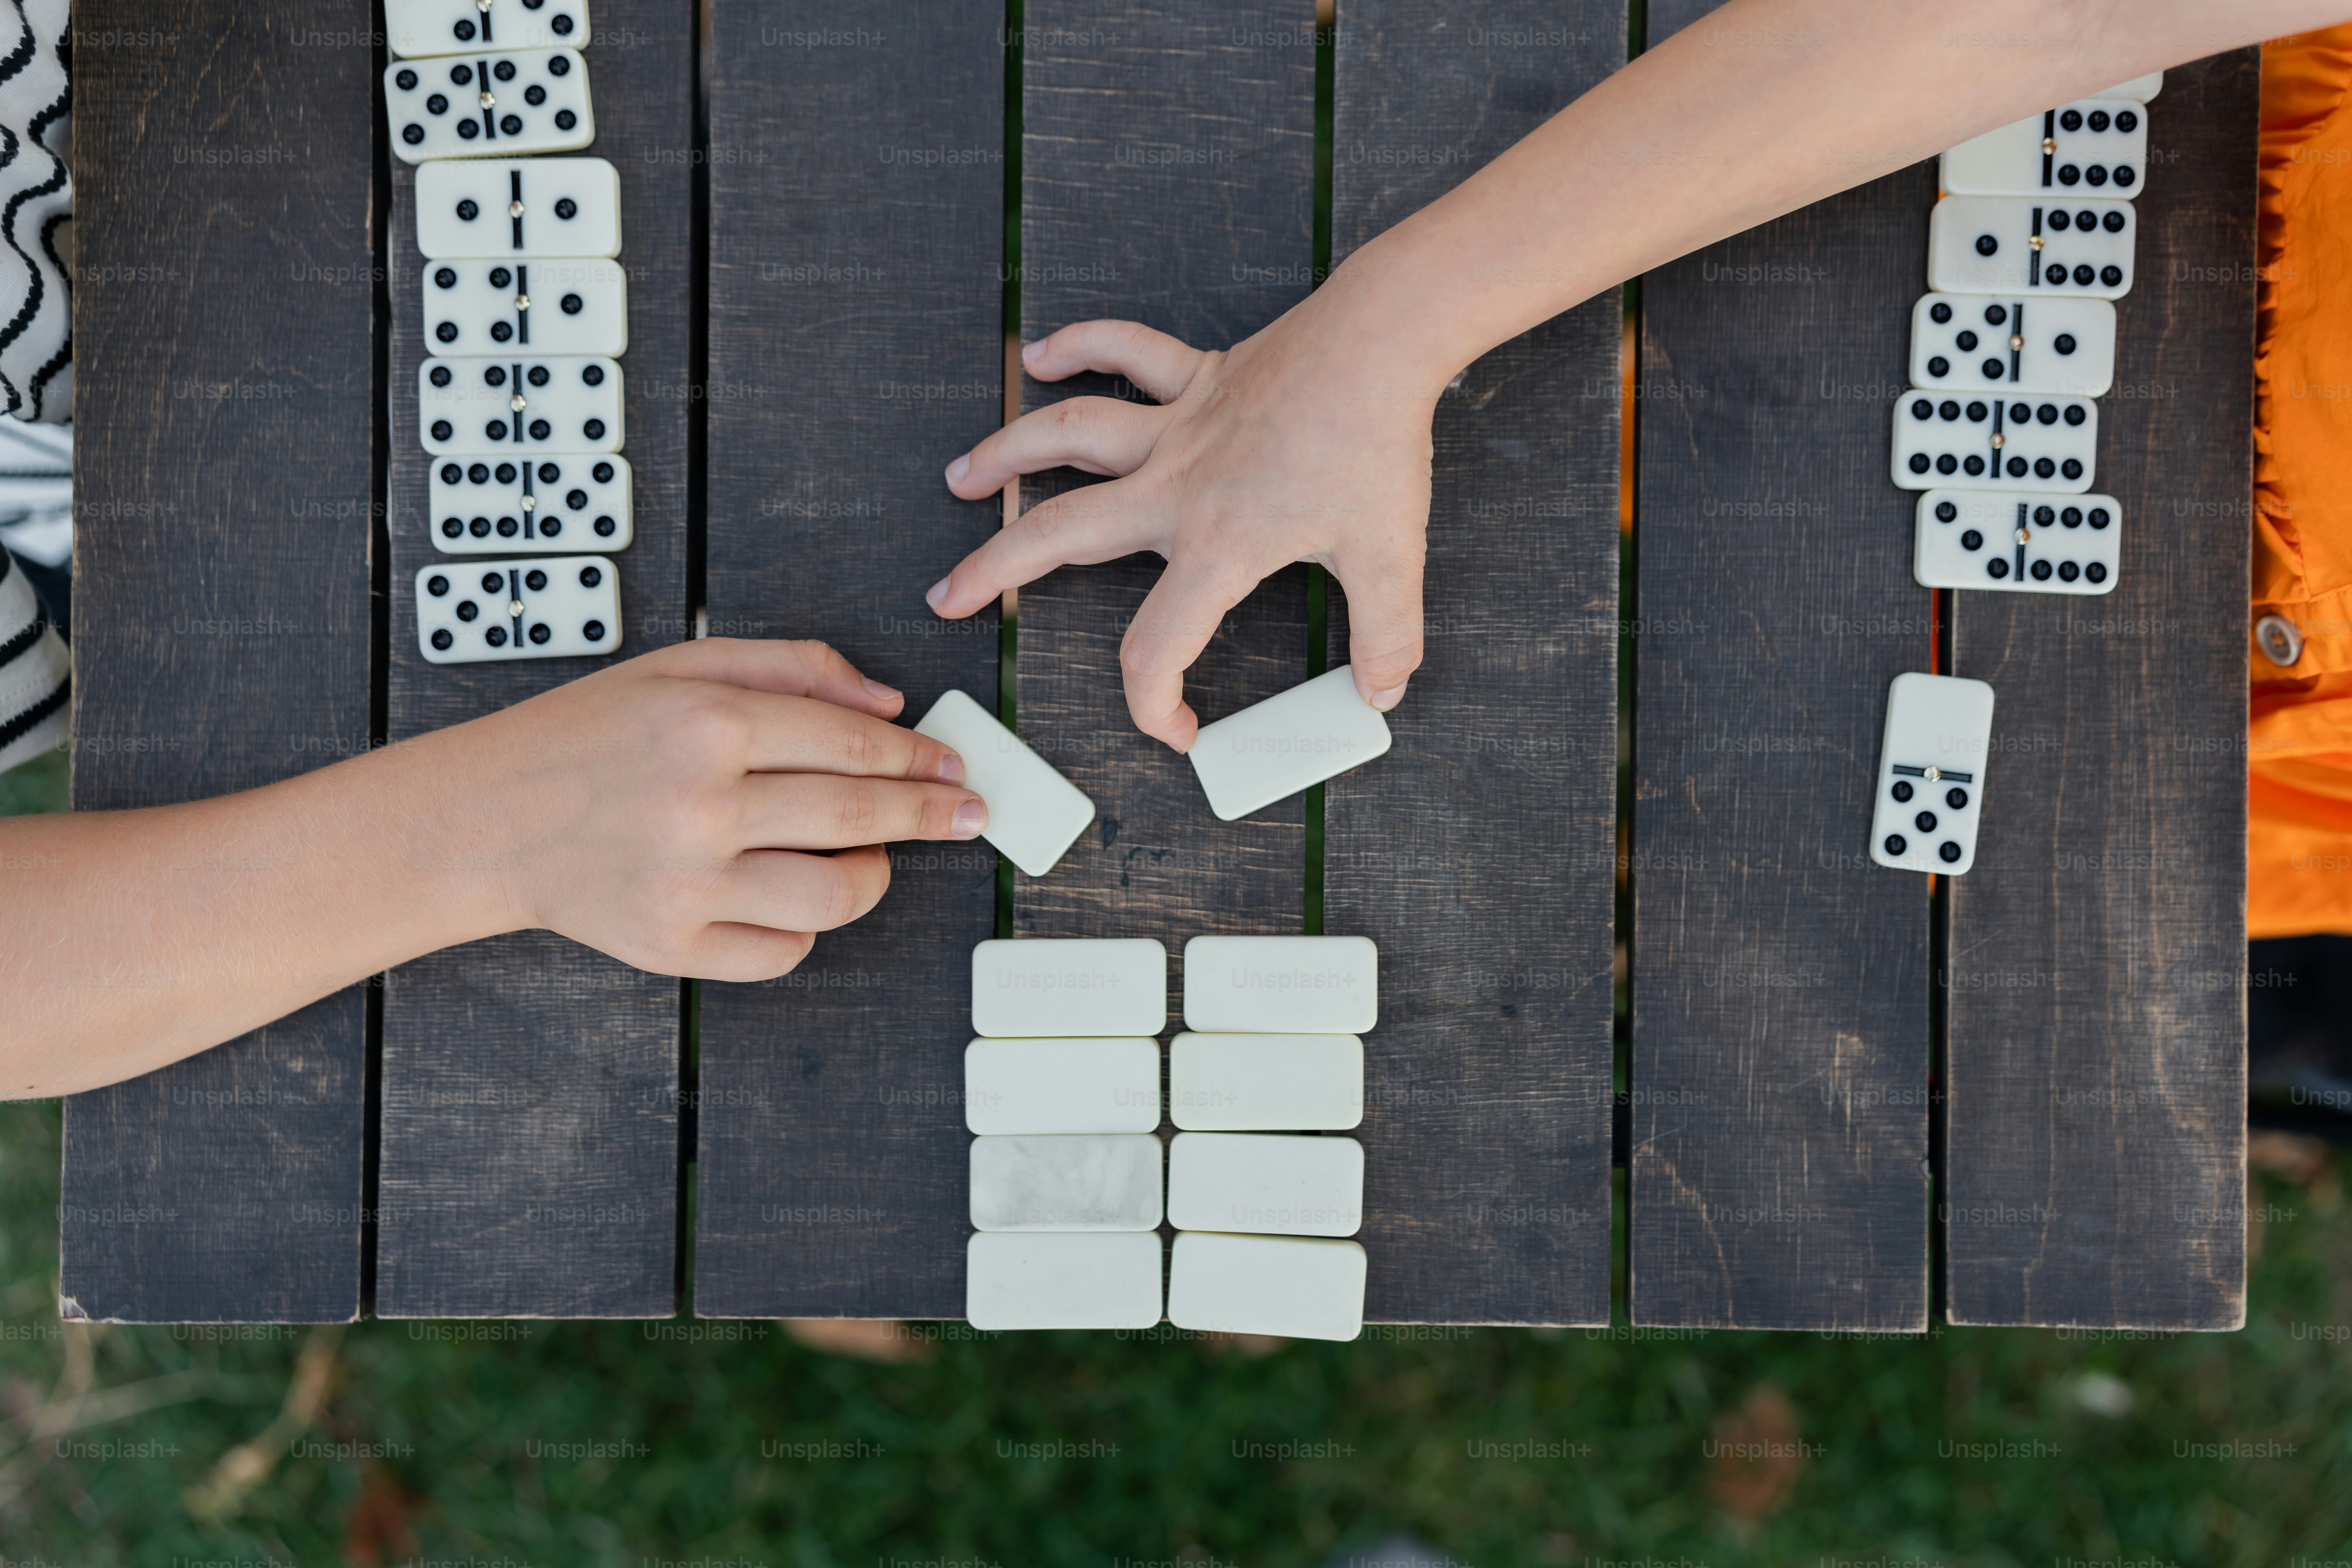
[1029, 351]
[937, 595]
[1384, 700]
[889, 697]
[950, 766]
[969, 817]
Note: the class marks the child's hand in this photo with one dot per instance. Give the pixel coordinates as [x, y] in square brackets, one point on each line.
[674, 811]
[1247, 467]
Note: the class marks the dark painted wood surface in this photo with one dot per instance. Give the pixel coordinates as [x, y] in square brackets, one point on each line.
[856, 347]
[1479, 852]
[2095, 1099]
[530, 1127]
[1168, 177]
[1779, 1169]
[223, 486]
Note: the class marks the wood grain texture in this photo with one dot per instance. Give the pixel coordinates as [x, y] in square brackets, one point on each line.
[2095, 1109]
[1778, 1171]
[530, 1142]
[221, 482]
[1167, 178]
[857, 324]
[1479, 852]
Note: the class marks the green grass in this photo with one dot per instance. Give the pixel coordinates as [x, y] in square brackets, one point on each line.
[1090, 1449]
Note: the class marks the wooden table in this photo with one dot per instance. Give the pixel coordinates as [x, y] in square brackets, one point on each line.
[1844, 1101]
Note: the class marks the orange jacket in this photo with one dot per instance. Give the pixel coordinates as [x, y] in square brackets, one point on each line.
[2299, 746]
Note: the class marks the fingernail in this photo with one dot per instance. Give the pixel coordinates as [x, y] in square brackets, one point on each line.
[969, 818]
[938, 594]
[959, 468]
[950, 769]
[880, 692]
[1029, 351]
[1384, 700]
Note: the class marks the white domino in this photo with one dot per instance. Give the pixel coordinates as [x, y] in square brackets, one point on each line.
[2017, 542]
[560, 607]
[496, 506]
[2093, 146]
[1291, 1286]
[1266, 1083]
[2140, 90]
[558, 305]
[417, 29]
[1077, 1085]
[1979, 342]
[1249, 760]
[1073, 1280]
[1108, 987]
[518, 405]
[479, 207]
[1265, 1183]
[1035, 815]
[2042, 440]
[488, 105]
[2008, 244]
[1930, 795]
[1066, 1183]
[1281, 984]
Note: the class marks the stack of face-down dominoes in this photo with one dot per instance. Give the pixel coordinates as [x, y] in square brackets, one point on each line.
[1063, 1089]
[2027, 252]
[525, 312]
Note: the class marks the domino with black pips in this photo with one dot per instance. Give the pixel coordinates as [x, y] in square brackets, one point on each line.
[483, 506]
[488, 105]
[469, 208]
[516, 405]
[2011, 244]
[1929, 795]
[1975, 343]
[555, 305]
[418, 29]
[556, 608]
[2047, 441]
[2019, 542]
[2095, 146]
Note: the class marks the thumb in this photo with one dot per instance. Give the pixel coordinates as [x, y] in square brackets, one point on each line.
[1384, 623]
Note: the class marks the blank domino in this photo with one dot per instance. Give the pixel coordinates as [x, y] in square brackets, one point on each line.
[2023, 542]
[1061, 1086]
[1281, 1285]
[1105, 986]
[1034, 814]
[1247, 761]
[1281, 984]
[1039, 1282]
[1266, 1181]
[1266, 1083]
[1931, 773]
[1066, 1183]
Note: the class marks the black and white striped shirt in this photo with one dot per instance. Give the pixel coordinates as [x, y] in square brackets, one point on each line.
[35, 356]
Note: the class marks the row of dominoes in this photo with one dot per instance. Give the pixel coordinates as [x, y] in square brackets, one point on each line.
[1246, 762]
[2010, 350]
[525, 311]
[2014, 343]
[1062, 1089]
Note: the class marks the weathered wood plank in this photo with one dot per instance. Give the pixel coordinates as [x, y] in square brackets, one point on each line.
[2096, 1100]
[1168, 177]
[530, 1142]
[223, 486]
[1479, 852]
[857, 186]
[1778, 1173]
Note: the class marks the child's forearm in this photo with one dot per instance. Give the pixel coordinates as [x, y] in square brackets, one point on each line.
[1760, 109]
[703, 810]
[130, 939]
